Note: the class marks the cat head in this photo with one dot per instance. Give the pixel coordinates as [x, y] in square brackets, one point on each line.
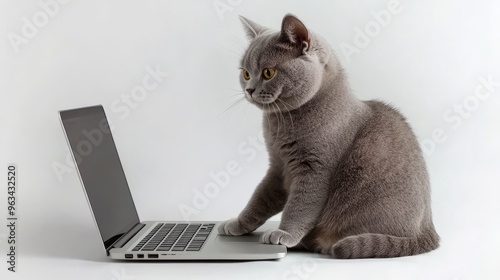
[282, 69]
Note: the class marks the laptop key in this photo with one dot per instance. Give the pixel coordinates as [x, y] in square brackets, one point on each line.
[178, 248]
[163, 249]
[200, 238]
[148, 248]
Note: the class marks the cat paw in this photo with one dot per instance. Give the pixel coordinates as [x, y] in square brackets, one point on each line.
[278, 236]
[232, 227]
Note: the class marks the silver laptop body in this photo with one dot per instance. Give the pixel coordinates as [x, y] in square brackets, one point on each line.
[124, 236]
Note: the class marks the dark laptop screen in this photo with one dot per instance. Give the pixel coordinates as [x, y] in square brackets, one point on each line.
[101, 171]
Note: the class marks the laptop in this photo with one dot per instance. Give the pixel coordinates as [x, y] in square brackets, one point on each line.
[124, 235]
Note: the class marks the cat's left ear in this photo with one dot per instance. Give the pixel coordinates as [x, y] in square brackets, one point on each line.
[252, 29]
[293, 31]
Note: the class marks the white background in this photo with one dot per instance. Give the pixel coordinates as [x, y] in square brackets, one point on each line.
[429, 58]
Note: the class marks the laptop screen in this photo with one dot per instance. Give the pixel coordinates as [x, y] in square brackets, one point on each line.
[100, 171]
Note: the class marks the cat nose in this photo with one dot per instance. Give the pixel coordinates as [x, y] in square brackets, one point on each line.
[250, 91]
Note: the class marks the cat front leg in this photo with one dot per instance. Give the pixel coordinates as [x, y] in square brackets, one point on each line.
[267, 200]
[308, 195]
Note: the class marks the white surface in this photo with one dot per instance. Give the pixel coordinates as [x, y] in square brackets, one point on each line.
[429, 57]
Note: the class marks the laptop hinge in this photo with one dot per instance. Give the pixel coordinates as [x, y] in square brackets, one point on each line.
[126, 237]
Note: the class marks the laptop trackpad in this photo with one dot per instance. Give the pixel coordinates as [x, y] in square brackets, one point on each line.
[243, 238]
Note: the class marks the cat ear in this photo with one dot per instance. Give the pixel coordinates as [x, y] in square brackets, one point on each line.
[252, 29]
[293, 31]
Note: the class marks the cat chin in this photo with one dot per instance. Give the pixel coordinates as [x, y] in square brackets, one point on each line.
[273, 107]
[268, 104]
[265, 105]
[264, 102]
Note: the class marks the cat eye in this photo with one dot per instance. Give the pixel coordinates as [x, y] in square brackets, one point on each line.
[268, 73]
[246, 75]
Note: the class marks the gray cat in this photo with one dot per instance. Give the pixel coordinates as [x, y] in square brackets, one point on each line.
[349, 175]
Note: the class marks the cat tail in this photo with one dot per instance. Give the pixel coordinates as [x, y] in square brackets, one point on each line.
[372, 245]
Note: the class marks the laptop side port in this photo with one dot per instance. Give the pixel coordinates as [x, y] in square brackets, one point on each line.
[152, 256]
[129, 256]
[140, 256]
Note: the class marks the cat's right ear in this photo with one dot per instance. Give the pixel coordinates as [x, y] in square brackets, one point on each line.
[252, 29]
[294, 32]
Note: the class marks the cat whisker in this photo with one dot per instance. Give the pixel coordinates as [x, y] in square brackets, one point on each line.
[240, 94]
[283, 101]
[287, 109]
[277, 118]
[281, 114]
[237, 94]
[237, 90]
[234, 48]
[237, 43]
[267, 117]
[232, 52]
[234, 103]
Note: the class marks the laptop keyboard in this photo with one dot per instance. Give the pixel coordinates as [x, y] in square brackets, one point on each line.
[175, 237]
